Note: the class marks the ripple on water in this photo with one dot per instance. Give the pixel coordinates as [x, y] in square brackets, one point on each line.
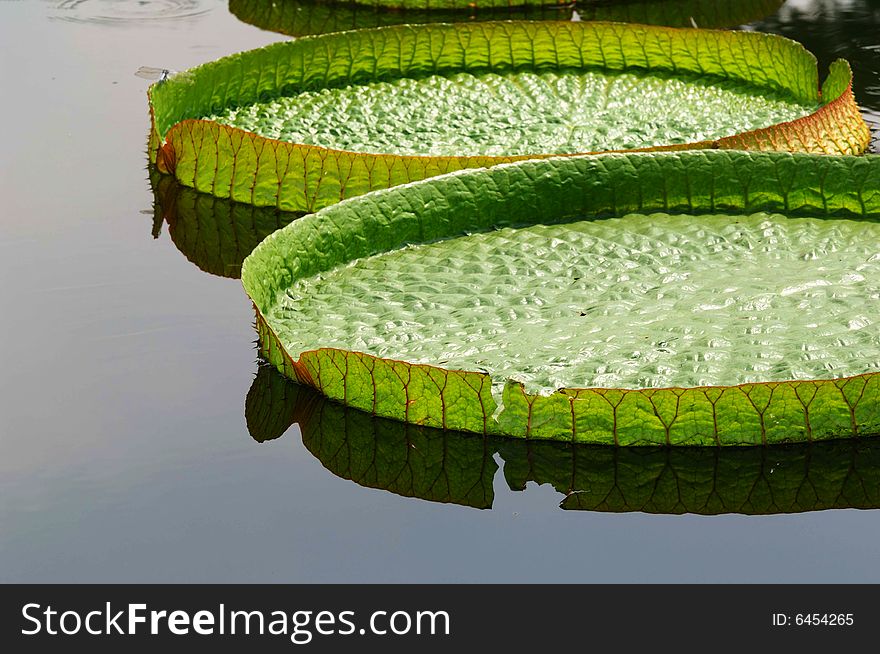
[113, 12]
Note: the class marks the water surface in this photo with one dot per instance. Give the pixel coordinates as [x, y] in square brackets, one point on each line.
[126, 454]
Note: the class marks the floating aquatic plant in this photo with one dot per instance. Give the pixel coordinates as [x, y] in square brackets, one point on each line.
[300, 125]
[693, 298]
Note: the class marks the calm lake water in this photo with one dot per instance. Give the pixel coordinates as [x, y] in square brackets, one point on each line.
[126, 453]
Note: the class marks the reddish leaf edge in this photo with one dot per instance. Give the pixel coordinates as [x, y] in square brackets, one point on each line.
[273, 353]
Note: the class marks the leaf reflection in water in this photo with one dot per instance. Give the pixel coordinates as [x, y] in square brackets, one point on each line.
[458, 468]
[214, 233]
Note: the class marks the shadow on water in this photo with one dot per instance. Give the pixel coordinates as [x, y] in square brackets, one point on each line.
[213, 233]
[302, 17]
[832, 29]
[458, 468]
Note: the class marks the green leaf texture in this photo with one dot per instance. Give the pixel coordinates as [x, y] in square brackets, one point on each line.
[231, 162]
[455, 467]
[515, 114]
[754, 404]
[304, 17]
[213, 233]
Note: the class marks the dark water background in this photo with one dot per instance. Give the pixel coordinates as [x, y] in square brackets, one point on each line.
[124, 368]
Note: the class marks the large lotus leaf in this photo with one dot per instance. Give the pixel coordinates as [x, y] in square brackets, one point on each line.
[303, 17]
[214, 233]
[387, 454]
[693, 298]
[338, 115]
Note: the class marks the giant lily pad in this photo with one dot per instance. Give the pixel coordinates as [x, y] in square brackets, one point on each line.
[303, 124]
[459, 468]
[694, 298]
[303, 17]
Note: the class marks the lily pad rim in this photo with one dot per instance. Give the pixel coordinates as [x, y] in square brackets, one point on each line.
[183, 75]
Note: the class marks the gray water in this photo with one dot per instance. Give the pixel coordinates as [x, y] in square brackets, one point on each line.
[124, 368]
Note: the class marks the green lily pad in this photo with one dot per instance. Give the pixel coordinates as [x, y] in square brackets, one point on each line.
[304, 17]
[459, 468]
[694, 298]
[300, 125]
